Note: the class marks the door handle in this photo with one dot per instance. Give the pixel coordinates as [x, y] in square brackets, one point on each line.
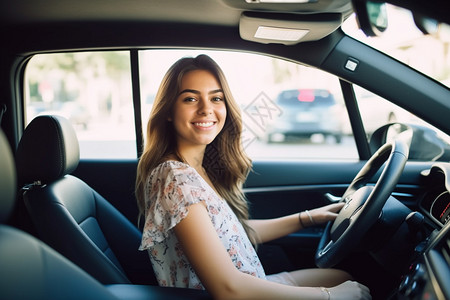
[332, 198]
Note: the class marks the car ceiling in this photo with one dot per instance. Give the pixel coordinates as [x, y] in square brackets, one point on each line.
[219, 12]
[208, 12]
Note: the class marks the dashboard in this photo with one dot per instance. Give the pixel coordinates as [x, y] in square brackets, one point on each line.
[440, 207]
[436, 203]
[428, 276]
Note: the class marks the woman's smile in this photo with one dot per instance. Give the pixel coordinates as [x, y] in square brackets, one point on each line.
[204, 124]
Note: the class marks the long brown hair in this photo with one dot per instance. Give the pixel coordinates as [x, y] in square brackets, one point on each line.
[225, 161]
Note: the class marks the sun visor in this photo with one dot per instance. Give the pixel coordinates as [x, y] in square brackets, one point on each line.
[287, 29]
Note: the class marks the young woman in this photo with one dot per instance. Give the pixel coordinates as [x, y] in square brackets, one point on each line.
[189, 187]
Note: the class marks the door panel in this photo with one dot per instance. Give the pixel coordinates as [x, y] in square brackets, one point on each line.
[273, 189]
[114, 180]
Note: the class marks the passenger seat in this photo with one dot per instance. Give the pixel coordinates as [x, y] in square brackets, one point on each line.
[30, 269]
[68, 214]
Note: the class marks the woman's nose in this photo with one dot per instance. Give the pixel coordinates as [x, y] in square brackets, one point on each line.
[205, 107]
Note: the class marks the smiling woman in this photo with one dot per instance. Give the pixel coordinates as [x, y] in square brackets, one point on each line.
[197, 230]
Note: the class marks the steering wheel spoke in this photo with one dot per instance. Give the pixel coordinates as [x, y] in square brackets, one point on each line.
[327, 247]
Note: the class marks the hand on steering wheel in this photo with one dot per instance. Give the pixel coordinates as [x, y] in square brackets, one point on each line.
[325, 213]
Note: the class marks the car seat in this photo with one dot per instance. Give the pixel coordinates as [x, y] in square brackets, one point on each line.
[30, 269]
[68, 214]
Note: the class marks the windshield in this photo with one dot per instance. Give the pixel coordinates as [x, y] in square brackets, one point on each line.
[402, 40]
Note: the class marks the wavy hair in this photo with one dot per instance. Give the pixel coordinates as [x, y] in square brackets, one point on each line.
[225, 161]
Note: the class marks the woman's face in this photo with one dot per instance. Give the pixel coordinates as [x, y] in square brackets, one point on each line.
[199, 112]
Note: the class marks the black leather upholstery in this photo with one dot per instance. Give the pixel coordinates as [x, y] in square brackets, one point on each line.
[141, 292]
[29, 268]
[48, 151]
[32, 270]
[69, 215]
[7, 179]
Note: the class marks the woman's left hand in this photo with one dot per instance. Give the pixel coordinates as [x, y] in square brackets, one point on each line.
[325, 213]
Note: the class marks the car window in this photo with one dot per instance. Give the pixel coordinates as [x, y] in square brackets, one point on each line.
[289, 110]
[429, 143]
[93, 91]
[376, 111]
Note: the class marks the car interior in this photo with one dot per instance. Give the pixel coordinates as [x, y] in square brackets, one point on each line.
[70, 227]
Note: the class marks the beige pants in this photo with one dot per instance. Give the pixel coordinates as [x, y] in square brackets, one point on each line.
[283, 278]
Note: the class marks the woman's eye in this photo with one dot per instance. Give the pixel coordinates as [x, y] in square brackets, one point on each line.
[189, 99]
[217, 99]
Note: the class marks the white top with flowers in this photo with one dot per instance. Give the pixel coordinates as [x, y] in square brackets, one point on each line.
[171, 188]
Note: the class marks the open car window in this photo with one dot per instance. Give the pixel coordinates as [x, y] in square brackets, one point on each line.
[307, 125]
[93, 91]
[290, 111]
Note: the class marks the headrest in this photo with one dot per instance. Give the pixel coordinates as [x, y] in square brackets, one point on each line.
[8, 183]
[47, 151]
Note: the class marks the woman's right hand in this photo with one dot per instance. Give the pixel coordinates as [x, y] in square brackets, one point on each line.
[350, 290]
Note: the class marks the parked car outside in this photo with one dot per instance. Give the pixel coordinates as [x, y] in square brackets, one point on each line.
[304, 113]
[75, 112]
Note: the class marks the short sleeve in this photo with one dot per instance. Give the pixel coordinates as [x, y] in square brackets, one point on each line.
[171, 188]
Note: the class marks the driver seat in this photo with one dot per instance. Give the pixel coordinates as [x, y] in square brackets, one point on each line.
[69, 215]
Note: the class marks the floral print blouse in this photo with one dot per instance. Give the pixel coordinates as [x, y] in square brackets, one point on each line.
[171, 188]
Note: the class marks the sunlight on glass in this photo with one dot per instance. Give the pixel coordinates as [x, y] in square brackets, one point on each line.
[93, 91]
[405, 42]
[271, 128]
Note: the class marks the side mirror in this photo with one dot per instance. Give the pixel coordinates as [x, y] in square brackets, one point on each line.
[424, 143]
[371, 15]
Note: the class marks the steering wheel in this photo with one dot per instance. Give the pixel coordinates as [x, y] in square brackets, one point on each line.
[363, 204]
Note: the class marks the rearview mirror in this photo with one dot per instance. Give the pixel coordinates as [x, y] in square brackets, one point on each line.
[372, 16]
